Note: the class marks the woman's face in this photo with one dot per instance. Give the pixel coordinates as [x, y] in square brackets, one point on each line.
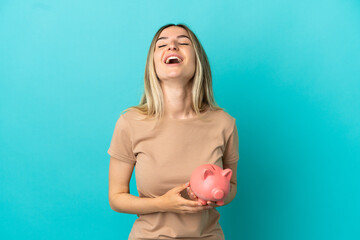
[174, 40]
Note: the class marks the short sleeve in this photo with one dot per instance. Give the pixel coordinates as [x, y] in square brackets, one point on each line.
[121, 145]
[231, 153]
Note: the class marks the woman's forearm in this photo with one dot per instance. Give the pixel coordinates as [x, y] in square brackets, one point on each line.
[127, 203]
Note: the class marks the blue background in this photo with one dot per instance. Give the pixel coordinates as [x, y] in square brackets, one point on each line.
[288, 71]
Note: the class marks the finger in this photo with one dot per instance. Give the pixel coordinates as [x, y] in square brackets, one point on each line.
[192, 197]
[191, 192]
[211, 203]
[182, 187]
[188, 192]
[186, 202]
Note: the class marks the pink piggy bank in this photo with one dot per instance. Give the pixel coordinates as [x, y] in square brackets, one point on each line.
[210, 182]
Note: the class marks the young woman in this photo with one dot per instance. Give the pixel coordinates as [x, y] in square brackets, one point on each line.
[176, 127]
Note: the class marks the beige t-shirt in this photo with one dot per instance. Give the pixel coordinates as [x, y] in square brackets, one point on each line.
[165, 157]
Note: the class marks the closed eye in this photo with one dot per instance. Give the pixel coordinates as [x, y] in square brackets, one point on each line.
[179, 43]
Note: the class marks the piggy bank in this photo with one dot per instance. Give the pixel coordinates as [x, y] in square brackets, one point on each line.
[210, 182]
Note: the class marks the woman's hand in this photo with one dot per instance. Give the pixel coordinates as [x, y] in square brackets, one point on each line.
[195, 198]
[191, 194]
[212, 204]
[172, 201]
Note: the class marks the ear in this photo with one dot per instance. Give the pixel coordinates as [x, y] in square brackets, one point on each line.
[206, 173]
[227, 173]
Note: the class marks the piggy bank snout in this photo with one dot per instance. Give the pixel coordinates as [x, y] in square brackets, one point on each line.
[211, 182]
[217, 193]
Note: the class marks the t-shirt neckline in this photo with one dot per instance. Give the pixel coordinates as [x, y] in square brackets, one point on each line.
[188, 119]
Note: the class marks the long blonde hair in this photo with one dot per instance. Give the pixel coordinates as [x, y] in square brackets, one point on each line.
[152, 100]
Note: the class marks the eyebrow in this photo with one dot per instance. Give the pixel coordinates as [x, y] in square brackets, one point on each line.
[180, 36]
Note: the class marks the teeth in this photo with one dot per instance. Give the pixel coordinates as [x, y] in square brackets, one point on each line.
[172, 57]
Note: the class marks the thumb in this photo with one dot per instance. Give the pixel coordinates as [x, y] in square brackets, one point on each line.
[183, 186]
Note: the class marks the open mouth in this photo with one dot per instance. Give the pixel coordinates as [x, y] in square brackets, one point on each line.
[173, 60]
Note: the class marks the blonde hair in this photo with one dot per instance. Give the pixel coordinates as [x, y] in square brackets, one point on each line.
[152, 100]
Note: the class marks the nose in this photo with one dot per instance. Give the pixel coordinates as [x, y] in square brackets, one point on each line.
[172, 45]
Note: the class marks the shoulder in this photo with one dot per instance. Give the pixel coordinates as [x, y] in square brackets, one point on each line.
[130, 114]
[132, 117]
[126, 114]
[225, 121]
[222, 116]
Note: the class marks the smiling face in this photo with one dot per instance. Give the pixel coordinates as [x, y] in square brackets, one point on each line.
[174, 40]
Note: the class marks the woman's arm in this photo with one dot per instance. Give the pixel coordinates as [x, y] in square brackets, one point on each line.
[120, 198]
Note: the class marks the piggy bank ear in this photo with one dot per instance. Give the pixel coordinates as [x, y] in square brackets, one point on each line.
[227, 173]
[206, 173]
